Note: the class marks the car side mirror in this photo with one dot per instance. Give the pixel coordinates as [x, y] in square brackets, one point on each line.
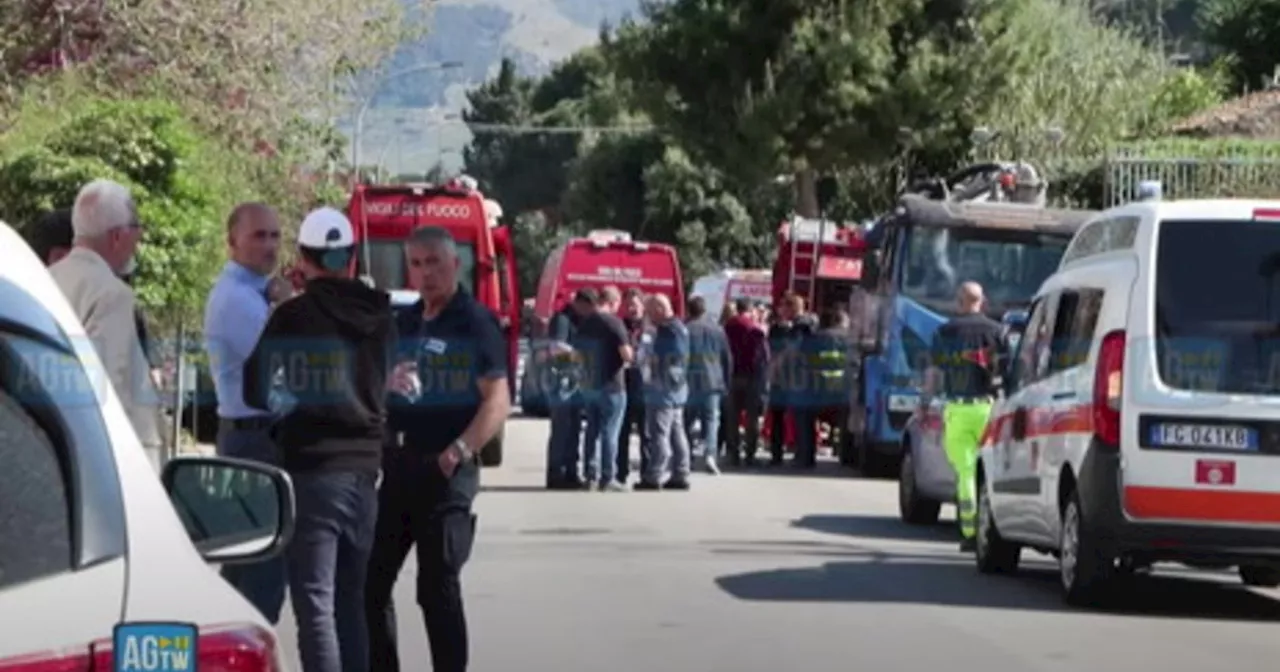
[235, 511]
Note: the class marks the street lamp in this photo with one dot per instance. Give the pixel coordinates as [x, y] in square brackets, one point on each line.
[377, 87]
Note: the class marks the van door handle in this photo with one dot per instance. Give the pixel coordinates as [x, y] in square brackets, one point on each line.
[1059, 396]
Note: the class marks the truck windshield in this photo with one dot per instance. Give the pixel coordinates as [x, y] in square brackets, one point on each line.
[386, 258]
[1010, 265]
[1217, 306]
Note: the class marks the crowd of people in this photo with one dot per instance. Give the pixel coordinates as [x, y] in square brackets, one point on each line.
[327, 384]
[620, 365]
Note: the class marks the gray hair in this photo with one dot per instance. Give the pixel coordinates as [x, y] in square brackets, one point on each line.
[101, 207]
[434, 236]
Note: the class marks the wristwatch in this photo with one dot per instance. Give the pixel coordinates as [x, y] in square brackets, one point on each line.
[463, 450]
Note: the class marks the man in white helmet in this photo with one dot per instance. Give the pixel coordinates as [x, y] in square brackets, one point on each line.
[333, 344]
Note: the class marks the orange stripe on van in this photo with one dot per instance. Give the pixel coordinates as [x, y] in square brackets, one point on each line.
[1222, 506]
[1043, 422]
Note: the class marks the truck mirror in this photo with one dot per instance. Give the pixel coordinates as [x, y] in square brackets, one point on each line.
[828, 189]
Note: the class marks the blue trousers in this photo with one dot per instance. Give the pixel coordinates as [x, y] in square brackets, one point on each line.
[263, 583]
[328, 564]
[604, 422]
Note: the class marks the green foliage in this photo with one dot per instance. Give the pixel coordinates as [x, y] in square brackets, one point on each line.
[1188, 91]
[182, 181]
[1246, 32]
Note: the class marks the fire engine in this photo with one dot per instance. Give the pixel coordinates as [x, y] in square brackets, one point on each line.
[819, 260]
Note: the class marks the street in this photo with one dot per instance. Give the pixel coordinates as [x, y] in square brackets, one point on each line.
[779, 570]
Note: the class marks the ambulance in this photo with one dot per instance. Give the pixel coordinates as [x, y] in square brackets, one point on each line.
[1140, 420]
[720, 290]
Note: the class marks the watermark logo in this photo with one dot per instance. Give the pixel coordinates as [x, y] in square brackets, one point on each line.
[155, 647]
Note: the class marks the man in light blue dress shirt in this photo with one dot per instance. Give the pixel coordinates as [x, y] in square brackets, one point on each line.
[234, 316]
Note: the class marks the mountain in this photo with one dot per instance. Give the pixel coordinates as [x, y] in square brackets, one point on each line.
[412, 123]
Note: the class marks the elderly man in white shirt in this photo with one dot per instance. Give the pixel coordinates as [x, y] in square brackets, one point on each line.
[105, 223]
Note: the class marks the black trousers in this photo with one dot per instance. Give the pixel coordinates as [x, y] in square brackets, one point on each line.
[419, 509]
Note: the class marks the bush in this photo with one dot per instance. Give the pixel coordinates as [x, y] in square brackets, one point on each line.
[183, 183]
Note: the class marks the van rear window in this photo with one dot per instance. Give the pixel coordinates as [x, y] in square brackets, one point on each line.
[1217, 306]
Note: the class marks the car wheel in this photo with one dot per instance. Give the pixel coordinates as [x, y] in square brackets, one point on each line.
[914, 509]
[994, 554]
[1260, 577]
[1082, 568]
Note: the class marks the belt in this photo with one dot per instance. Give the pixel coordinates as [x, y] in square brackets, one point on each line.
[252, 422]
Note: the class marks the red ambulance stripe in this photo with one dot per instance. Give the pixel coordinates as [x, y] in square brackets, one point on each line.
[1043, 423]
[1220, 506]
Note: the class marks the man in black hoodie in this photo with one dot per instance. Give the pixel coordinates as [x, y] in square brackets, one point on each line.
[332, 348]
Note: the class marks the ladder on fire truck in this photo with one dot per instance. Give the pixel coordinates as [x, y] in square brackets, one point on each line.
[807, 236]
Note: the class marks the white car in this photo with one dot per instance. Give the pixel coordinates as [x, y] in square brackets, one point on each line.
[1142, 418]
[96, 561]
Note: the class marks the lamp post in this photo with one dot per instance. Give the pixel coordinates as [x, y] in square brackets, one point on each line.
[367, 102]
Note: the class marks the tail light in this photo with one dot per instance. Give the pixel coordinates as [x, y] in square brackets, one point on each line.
[230, 648]
[1108, 387]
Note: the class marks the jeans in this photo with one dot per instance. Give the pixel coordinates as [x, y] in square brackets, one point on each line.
[422, 510]
[261, 583]
[667, 444]
[632, 423]
[328, 562]
[705, 411]
[564, 447]
[604, 421]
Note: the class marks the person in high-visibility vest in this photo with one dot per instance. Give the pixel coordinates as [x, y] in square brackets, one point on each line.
[963, 372]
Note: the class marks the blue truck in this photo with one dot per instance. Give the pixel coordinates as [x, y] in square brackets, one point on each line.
[923, 249]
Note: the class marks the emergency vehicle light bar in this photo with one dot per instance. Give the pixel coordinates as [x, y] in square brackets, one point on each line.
[602, 237]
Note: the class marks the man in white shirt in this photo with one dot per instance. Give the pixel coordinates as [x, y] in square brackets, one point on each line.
[105, 223]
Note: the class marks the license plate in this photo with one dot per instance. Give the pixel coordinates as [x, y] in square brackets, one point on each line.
[1226, 437]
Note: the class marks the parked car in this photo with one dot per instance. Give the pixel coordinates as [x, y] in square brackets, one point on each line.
[93, 553]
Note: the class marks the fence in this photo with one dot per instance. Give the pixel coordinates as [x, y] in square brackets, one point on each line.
[1185, 169]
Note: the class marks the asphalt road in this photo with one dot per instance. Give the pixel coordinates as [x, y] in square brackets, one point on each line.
[782, 571]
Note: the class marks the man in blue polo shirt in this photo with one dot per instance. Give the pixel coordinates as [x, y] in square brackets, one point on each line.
[449, 397]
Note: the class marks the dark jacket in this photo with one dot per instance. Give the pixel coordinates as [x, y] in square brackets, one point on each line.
[787, 362]
[748, 347]
[634, 379]
[331, 347]
[710, 362]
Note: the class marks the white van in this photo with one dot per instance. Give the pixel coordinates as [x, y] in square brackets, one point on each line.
[1141, 416]
[723, 288]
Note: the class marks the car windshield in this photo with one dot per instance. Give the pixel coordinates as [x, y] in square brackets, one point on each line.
[386, 259]
[1010, 265]
[1217, 307]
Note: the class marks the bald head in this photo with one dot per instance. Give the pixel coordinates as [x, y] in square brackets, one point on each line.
[253, 237]
[969, 297]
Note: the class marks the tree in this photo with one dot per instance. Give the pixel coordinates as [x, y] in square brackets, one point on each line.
[183, 182]
[808, 86]
[247, 68]
[1246, 32]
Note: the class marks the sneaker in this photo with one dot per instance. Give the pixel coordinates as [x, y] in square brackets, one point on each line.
[676, 484]
[647, 485]
[614, 486]
[712, 467]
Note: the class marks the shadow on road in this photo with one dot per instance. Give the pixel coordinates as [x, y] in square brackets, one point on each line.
[955, 582]
[876, 527]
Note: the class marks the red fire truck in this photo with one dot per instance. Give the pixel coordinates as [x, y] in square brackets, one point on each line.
[819, 260]
[385, 215]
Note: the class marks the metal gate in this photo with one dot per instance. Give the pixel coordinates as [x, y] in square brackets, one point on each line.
[1247, 171]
